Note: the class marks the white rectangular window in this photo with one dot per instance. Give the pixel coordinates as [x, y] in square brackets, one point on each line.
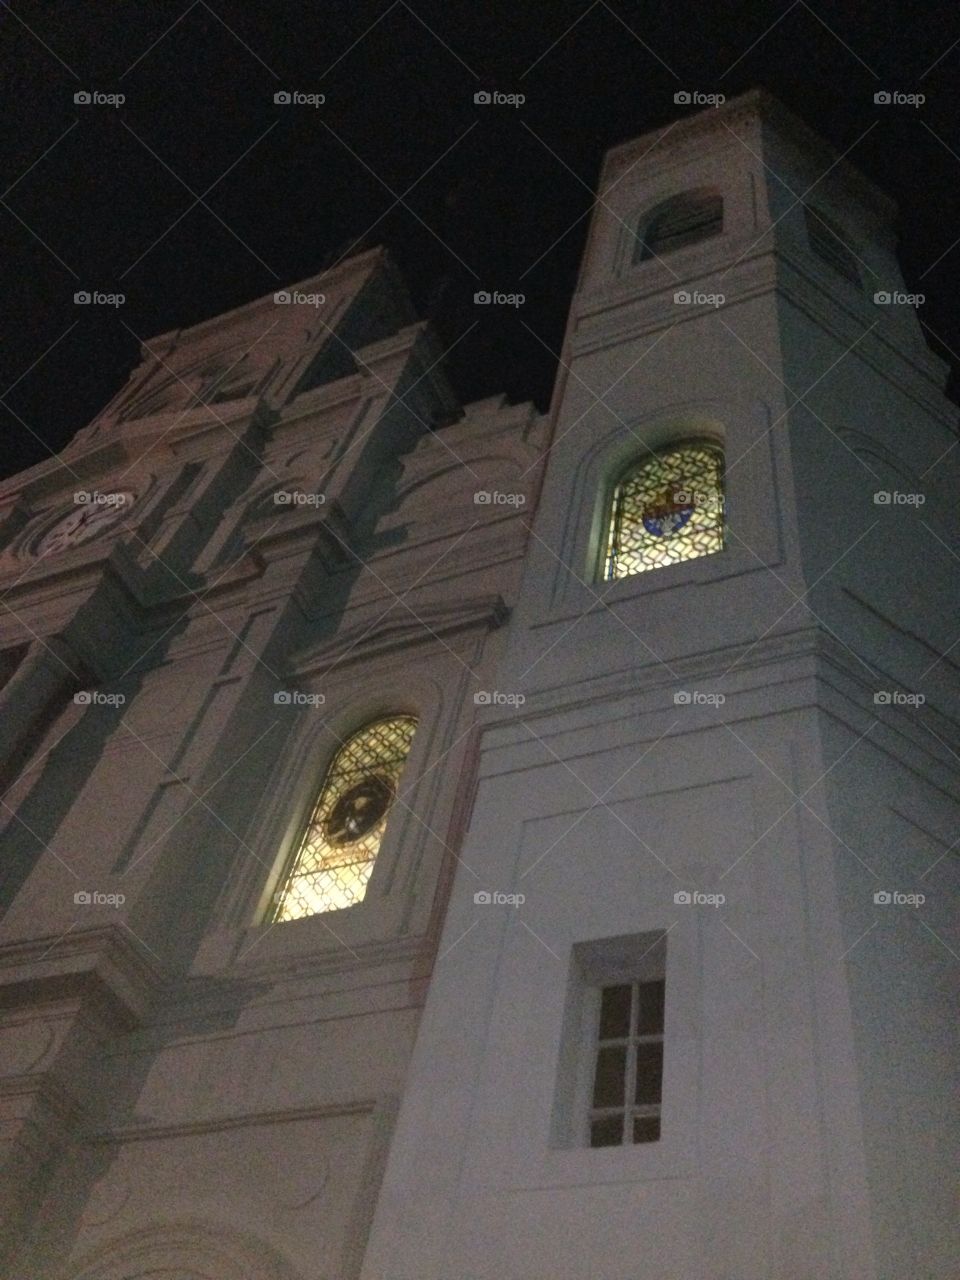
[610, 1088]
[628, 1064]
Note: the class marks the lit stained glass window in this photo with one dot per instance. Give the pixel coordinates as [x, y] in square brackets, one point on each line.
[336, 853]
[668, 507]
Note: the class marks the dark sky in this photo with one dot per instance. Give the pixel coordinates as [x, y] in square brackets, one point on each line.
[105, 198]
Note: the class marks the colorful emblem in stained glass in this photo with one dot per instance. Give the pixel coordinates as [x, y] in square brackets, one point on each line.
[334, 859]
[667, 507]
[667, 513]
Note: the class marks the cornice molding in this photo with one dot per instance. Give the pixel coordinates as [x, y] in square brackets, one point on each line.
[758, 107]
[624, 312]
[423, 624]
[145, 1132]
[152, 593]
[102, 965]
[807, 654]
[361, 265]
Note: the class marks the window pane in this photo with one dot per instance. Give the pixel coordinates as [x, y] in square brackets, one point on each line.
[649, 1072]
[606, 1131]
[646, 1128]
[680, 221]
[650, 1009]
[326, 890]
[609, 1080]
[615, 1013]
[335, 857]
[667, 508]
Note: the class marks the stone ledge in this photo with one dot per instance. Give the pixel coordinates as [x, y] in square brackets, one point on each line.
[102, 965]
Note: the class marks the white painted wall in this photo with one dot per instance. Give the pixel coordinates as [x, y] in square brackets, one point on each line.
[600, 796]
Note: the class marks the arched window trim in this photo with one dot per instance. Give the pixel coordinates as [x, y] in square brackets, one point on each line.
[635, 463]
[289, 783]
[190, 1246]
[311, 804]
[707, 221]
[565, 583]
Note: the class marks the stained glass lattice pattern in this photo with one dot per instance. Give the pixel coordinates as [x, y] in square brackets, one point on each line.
[666, 508]
[336, 852]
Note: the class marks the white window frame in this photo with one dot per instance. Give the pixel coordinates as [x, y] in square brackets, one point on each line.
[626, 960]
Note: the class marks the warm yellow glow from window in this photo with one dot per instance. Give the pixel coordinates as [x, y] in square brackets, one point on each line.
[667, 507]
[336, 853]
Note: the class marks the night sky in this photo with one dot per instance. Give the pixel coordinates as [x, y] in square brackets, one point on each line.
[199, 193]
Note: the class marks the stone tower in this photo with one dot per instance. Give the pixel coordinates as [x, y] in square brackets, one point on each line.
[650, 972]
[735, 774]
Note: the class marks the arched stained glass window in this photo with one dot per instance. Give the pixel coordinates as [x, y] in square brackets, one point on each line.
[666, 507]
[336, 852]
[683, 219]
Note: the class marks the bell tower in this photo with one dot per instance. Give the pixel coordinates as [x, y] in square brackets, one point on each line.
[690, 1015]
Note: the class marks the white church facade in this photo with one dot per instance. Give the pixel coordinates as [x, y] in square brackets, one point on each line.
[449, 842]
